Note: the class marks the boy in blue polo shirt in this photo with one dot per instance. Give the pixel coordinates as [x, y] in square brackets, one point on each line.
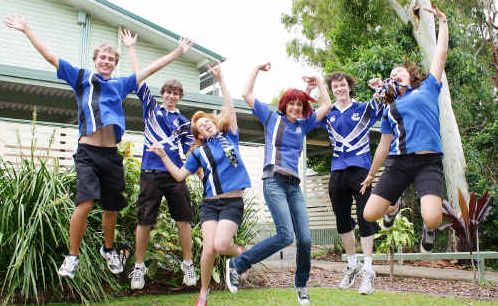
[99, 167]
[165, 125]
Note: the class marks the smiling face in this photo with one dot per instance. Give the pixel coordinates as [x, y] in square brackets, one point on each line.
[294, 110]
[340, 89]
[206, 127]
[171, 98]
[105, 62]
[401, 75]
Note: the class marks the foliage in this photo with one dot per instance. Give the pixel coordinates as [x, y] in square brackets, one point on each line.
[400, 235]
[466, 224]
[36, 206]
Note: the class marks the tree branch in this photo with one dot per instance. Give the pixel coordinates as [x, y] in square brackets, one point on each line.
[400, 11]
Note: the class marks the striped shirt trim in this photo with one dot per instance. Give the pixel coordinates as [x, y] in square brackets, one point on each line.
[89, 104]
[400, 143]
[213, 178]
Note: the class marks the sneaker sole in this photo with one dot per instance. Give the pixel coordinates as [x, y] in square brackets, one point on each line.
[349, 286]
[187, 283]
[367, 292]
[227, 278]
[65, 274]
[137, 288]
[101, 251]
[302, 303]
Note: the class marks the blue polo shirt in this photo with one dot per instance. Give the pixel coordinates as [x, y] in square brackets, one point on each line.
[413, 119]
[283, 139]
[99, 101]
[348, 131]
[219, 175]
[169, 128]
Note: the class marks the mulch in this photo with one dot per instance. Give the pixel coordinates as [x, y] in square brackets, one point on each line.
[267, 277]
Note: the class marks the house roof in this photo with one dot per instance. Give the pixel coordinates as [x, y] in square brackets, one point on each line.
[147, 30]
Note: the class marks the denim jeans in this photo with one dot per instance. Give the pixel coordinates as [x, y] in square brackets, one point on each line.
[288, 210]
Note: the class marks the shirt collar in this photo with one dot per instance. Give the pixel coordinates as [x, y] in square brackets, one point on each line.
[176, 110]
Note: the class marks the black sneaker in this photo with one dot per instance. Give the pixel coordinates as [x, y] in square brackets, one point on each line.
[428, 238]
[231, 277]
[389, 219]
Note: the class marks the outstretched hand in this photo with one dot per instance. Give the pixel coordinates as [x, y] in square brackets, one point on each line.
[264, 67]
[215, 71]
[311, 82]
[436, 12]
[128, 38]
[17, 23]
[157, 149]
[375, 83]
[184, 44]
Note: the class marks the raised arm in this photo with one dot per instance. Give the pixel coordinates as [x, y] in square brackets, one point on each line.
[20, 24]
[228, 114]
[247, 93]
[439, 60]
[325, 102]
[180, 174]
[379, 158]
[129, 40]
[183, 46]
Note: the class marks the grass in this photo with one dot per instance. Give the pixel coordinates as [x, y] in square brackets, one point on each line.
[277, 297]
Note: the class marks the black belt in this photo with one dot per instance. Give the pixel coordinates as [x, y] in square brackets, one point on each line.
[154, 171]
[287, 178]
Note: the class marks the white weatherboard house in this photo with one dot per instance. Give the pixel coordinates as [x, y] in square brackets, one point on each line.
[72, 29]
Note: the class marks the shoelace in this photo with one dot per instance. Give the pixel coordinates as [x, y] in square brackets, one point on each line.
[234, 276]
[138, 273]
[113, 258]
[189, 270]
[303, 294]
[70, 262]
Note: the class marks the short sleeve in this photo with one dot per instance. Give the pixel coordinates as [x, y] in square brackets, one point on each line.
[193, 162]
[310, 123]
[432, 84]
[234, 137]
[261, 110]
[128, 83]
[69, 73]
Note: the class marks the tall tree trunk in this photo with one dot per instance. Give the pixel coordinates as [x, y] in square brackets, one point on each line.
[454, 160]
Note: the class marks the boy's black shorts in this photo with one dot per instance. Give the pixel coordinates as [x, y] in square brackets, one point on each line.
[426, 170]
[218, 209]
[155, 184]
[100, 176]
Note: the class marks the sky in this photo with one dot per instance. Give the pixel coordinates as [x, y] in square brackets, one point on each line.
[246, 33]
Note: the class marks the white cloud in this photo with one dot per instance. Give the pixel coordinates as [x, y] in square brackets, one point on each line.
[245, 32]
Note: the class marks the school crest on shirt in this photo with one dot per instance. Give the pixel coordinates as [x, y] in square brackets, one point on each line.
[355, 117]
[298, 130]
[332, 119]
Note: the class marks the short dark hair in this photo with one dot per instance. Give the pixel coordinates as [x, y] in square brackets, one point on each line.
[172, 85]
[339, 76]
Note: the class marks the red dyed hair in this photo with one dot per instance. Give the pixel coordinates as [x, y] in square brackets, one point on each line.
[296, 95]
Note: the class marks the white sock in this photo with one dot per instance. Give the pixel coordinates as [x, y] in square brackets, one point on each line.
[367, 263]
[352, 261]
[139, 265]
[188, 262]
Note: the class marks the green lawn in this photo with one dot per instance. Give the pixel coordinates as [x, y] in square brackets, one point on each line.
[279, 297]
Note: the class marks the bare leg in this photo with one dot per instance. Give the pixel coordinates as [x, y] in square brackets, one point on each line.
[375, 208]
[431, 210]
[367, 245]
[77, 225]
[349, 242]
[185, 235]
[208, 254]
[109, 219]
[142, 235]
[223, 241]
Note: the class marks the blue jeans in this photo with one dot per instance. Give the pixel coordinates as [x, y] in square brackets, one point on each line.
[288, 210]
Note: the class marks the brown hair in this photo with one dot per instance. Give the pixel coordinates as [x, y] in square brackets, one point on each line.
[172, 85]
[339, 76]
[107, 48]
[416, 79]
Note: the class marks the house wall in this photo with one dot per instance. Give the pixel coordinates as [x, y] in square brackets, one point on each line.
[56, 24]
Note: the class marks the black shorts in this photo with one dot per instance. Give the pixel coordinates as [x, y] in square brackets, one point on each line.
[344, 185]
[426, 170]
[100, 176]
[217, 209]
[153, 186]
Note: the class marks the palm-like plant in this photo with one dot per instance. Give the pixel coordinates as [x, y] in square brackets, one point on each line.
[466, 223]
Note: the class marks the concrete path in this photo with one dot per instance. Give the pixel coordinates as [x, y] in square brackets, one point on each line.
[286, 260]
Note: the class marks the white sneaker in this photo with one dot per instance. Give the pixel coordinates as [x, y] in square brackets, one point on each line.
[138, 277]
[189, 277]
[367, 281]
[69, 266]
[302, 296]
[113, 260]
[349, 276]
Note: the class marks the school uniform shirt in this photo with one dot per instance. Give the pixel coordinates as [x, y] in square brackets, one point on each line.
[413, 119]
[348, 131]
[220, 176]
[99, 101]
[283, 139]
[169, 128]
